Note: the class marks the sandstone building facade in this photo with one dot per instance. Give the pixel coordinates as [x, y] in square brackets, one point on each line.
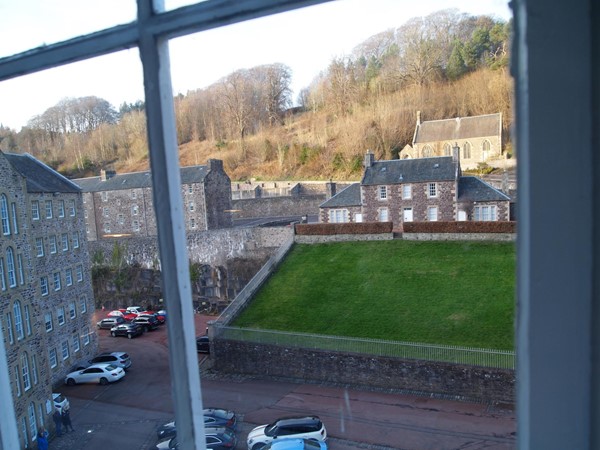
[119, 205]
[46, 296]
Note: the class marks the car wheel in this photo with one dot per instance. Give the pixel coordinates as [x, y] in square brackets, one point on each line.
[129, 335]
[258, 446]
[113, 334]
[70, 382]
[103, 381]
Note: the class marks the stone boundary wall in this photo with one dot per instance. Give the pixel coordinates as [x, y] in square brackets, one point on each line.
[503, 237]
[358, 370]
[213, 247]
[277, 206]
[323, 239]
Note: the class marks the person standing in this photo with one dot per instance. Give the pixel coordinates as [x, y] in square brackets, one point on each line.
[42, 439]
[66, 420]
[57, 422]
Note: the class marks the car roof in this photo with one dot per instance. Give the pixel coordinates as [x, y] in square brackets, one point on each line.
[295, 420]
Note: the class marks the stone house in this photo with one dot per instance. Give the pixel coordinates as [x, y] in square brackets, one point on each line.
[46, 296]
[478, 137]
[422, 189]
[122, 204]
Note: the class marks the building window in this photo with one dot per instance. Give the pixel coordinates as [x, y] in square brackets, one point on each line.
[193, 223]
[133, 195]
[191, 206]
[86, 336]
[432, 213]
[432, 190]
[76, 344]
[9, 329]
[18, 320]
[34, 373]
[18, 380]
[338, 216]
[72, 208]
[2, 277]
[48, 209]
[135, 225]
[69, 277]
[104, 196]
[65, 242]
[5, 218]
[105, 211]
[61, 208]
[39, 246]
[83, 304]
[44, 285]
[24, 431]
[27, 320]
[10, 267]
[121, 219]
[383, 215]
[25, 370]
[190, 188]
[32, 420]
[75, 239]
[52, 358]
[60, 315]
[85, 213]
[485, 213]
[56, 279]
[106, 227]
[15, 222]
[467, 150]
[53, 245]
[65, 350]
[72, 310]
[134, 210]
[35, 210]
[447, 150]
[20, 269]
[48, 321]
[382, 192]
[427, 151]
[79, 273]
[406, 191]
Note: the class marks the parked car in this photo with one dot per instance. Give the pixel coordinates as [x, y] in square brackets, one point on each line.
[96, 373]
[217, 438]
[119, 359]
[203, 344]
[287, 427]
[296, 444]
[148, 323]
[160, 319]
[128, 316]
[109, 322]
[135, 309]
[126, 329]
[213, 417]
[60, 402]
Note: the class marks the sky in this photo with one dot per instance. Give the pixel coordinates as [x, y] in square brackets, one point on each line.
[306, 40]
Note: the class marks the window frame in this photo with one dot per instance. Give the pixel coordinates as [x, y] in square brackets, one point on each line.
[432, 190]
[49, 208]
[5, 215]
[382, 193]
[35, 210]
[61, 209]
[433, 217]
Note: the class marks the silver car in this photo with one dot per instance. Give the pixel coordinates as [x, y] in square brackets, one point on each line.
[96, 373]
[119, 359]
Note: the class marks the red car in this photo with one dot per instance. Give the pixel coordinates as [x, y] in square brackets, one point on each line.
[128, 316]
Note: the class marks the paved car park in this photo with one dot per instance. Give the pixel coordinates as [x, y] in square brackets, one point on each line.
[127, 413]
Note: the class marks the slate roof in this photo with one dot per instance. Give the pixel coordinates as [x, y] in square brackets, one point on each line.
[416, 170]
[349, 196]
[459, 128]
[476, 190]
[39, 177]
[193, 174]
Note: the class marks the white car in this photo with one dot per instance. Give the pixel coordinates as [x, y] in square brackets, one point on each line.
[60, 402]
[135, 309]
[288, 427]
[96, 373]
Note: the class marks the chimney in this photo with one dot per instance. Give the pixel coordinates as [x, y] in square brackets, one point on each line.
[455, 153]
[106, 174]
[418, 117]
[331, 189]
[215, 164]
[369, 159]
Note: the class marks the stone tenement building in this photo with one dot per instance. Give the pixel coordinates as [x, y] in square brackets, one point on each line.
[122, 204]
[423, 189]
[46, 296]
[479, 139]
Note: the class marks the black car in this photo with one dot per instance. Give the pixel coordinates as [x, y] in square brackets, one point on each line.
[109, 322]
[147, 322]
[213, 418]
[202, 344]
[127, 329]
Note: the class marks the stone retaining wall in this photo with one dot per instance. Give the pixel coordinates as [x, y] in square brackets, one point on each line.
[323, 239]
[504, 237]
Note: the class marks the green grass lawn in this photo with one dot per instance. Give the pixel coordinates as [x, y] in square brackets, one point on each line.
[453, 293]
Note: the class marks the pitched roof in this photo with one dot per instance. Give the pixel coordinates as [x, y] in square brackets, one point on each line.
[458, 128]
[476, 190]
[397, 171]
[193, 174]
[350, 196]
[39, 177]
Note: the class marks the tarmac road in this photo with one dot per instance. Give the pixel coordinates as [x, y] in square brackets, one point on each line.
[125, 415]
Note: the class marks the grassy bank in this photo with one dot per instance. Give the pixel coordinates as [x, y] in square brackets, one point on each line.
[455, 293]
